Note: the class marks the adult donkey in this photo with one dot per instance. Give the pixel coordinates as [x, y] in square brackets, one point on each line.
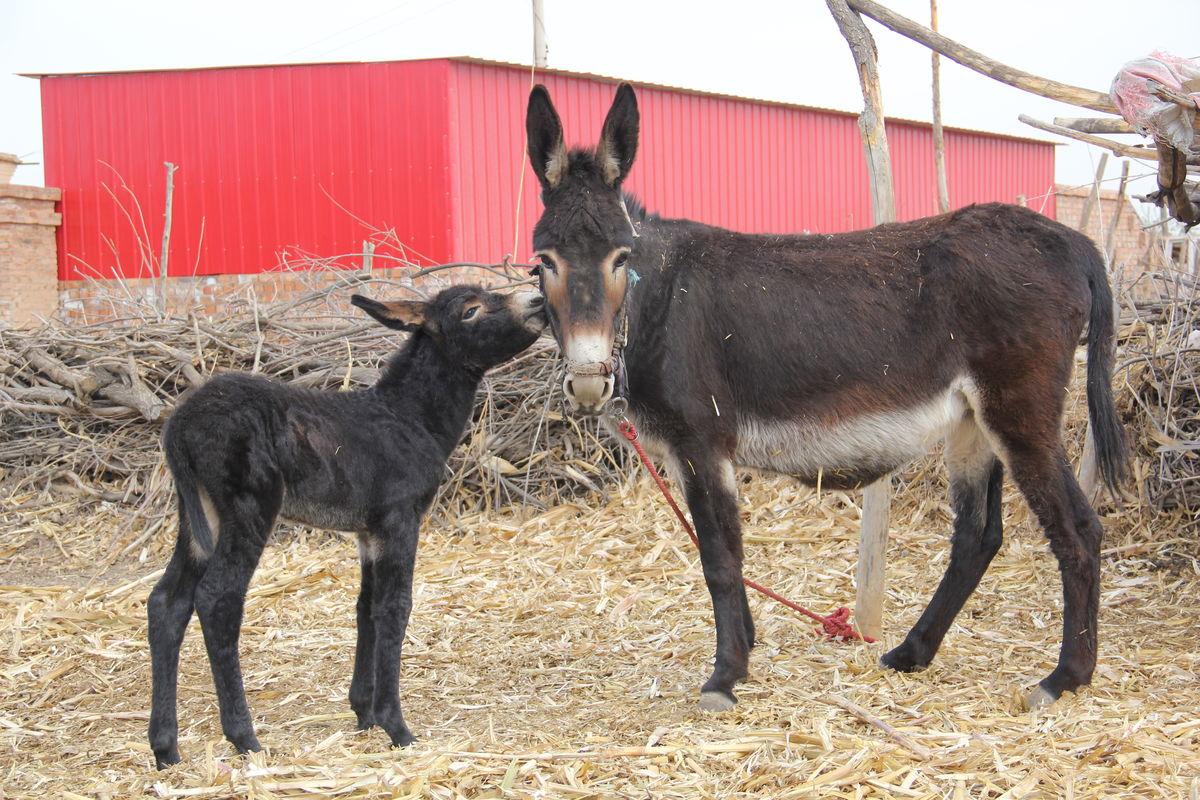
[834, 358]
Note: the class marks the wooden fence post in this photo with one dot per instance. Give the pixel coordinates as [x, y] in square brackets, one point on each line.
[872, 544]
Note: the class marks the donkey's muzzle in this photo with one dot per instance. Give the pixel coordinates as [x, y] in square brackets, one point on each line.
[588, 390]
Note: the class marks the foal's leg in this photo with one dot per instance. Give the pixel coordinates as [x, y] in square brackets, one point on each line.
[168, 611]
[362, 685]
[391, 604]
[976, 482]
[220, 599]
[712, 499]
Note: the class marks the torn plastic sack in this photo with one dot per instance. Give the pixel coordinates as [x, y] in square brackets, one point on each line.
[1150, 115]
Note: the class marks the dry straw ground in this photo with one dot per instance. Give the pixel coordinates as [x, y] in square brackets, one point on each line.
[557, 653]
[559, 656]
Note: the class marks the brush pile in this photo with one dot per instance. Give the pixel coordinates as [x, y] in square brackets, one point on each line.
[83, 406]
[1160, 370]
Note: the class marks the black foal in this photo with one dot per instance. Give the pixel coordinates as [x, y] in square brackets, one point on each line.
[245, 450]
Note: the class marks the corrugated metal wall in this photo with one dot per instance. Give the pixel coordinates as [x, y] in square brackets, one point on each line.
[755, 167]
[294, 156]
[269, 158]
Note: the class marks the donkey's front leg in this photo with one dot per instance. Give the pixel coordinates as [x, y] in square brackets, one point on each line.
[391, 604]
[712, 499]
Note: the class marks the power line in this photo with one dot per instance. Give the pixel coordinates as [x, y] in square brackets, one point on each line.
[349, 28]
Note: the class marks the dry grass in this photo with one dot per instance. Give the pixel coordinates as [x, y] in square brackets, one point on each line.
[560, 656]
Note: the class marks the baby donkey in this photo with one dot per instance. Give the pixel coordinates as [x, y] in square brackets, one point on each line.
[244, 450]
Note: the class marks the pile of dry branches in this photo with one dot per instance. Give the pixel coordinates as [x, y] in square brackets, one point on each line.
[1160, 369]
[83, 406]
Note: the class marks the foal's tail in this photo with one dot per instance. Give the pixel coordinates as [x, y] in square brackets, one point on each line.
[188, 492]
[1112, 450]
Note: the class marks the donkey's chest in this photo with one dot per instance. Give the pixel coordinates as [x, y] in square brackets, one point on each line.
[850, 450]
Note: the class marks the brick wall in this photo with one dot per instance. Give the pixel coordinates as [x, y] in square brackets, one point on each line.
[28, 254]
[1129, 241]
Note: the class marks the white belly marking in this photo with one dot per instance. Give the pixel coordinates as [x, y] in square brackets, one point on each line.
[879, 441]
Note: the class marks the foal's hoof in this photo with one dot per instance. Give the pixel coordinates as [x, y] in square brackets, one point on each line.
[166, 758]
[403, 739]
[716, 702]
[365, 721]
[903, 658]
[1039, 698]
[246, 744]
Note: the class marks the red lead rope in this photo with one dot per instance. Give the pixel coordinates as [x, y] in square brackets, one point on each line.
[835, 625]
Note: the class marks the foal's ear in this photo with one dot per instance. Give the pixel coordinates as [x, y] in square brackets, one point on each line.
[619, 137]
[403, 315]
[547, 152]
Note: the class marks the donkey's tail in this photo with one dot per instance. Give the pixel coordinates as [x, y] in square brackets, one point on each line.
[187, 490]
[1112, 450]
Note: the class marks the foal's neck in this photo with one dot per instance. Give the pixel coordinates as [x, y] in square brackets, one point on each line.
[430, 389]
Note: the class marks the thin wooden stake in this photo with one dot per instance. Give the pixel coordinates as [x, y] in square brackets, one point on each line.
[166, 238]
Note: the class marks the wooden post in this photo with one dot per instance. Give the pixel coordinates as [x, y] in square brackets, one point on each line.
[1110, 241]
[1086, 215]
[166, 239]
[872, 543]
[541, 52]
[939, 142]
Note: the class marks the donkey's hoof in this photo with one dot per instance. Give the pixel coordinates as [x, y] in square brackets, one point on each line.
[716, 702]
[365, 721]
[903, 659]
[166, 758]
[1039, 698]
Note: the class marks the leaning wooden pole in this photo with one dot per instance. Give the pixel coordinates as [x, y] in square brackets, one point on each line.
[1027, 81]
[872, 545]
[939, 141]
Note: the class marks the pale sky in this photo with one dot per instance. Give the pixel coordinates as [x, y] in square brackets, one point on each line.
[787, 51]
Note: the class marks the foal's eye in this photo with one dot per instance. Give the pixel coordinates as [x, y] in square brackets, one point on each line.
[620, 261]
[470, 312]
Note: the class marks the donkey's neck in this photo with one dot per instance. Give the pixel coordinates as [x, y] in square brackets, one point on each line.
[433, 388]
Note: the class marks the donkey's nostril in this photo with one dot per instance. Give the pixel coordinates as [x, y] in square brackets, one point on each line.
[537, 301]
[570, 387]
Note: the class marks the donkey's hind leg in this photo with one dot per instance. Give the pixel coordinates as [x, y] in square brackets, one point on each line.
[1027, 426]
[168, 611]
[976, 481]
[246, 522]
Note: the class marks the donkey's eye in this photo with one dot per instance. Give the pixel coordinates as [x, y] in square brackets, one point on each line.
[620, 261]
[470, 312]
[548, 263]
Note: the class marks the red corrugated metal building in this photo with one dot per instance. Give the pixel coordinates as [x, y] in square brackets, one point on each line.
[299, 157]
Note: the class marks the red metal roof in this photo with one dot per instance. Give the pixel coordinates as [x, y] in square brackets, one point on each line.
[298, 157]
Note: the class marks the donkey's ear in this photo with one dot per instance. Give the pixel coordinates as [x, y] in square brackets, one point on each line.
[547, 152]
[619, 137]
[403, 315]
